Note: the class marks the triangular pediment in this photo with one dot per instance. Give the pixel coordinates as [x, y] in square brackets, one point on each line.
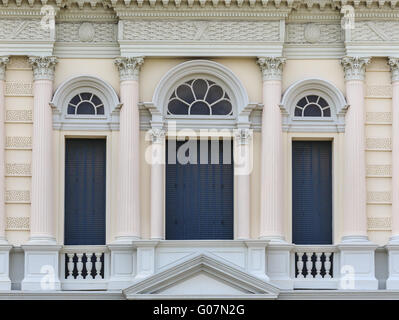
[204, 277]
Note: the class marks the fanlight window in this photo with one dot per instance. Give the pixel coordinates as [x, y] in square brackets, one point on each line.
[312, 106]
[86, 104]
[200, 97]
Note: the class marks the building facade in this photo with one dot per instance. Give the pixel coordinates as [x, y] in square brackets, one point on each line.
[199, 149]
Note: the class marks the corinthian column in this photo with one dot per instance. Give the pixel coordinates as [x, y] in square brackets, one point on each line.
[42, 216]
[41, 252]
[355, 217]
[128, 216]
[157, 190]
[3, 62]
[272, 174]
[356, 251]
[394, 64]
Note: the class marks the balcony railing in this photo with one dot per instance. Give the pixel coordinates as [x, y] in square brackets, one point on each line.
[315, 267]
[84, 267]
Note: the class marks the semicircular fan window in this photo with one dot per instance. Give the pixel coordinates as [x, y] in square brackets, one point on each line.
[312, 106]
[86, 103]
[200, 97]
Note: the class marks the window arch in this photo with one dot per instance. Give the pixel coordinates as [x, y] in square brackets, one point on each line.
[313, 105]
[85, 103]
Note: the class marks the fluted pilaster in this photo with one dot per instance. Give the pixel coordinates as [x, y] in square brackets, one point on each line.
[355, 217]
[394, 64]
[157, 190]
[243, 169]
[128, 217]
[42, 217]
[272, 172]
[3, 63]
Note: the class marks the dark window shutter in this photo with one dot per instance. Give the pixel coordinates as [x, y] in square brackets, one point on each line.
[85, 188]
[311, 192]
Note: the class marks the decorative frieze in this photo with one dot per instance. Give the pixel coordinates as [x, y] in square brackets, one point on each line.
[155, 30]
[313, 33]
[17, 223]
[375, 31]
[18, 142]
[129, 68]
[271, 67]
[22, 29]
[86, 32]
[18, 169]
[18, 115]
[379, 144]
[354, 67]
[378, 91]
[18, 89]
[17, 196]
[394, 65]
[379, 170]
[379, 197]
[378, 117]
[379, 223]
[43, 67]
[3, 62]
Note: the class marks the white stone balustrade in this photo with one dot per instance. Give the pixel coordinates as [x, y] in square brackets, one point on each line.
[84, 267]
[315, 267]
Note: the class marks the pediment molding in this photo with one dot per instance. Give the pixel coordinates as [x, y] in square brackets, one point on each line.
[249, 286]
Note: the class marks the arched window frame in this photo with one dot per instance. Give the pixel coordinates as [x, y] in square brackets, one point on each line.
[318, 87]
[85, 122]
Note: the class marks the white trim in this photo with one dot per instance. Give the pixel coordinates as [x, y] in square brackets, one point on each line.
[313, 86]
[79, 84]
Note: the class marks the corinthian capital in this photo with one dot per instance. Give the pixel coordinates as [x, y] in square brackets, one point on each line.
[129, 68]
[243, 136]
[355, 67]
[271, 67]
[43, 67]
[3, 63]
[394, 64]
[157, 135]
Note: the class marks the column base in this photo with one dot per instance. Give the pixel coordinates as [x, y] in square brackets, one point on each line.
[357, 264]
[41, 267]
[122, 265]
[278, 264]
[393, 263]
[5, 282]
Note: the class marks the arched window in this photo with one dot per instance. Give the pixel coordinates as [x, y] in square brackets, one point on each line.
[86, 103]
[199, 97]
[312, 106]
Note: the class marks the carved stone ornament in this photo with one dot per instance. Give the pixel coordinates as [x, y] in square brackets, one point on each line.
[3, 63]
[355, 67]
[157, 135]
[86, 32]
[129, 68]
[271, 67]
[312, 33]
[243, 136]
[43, 67]
[394, 64]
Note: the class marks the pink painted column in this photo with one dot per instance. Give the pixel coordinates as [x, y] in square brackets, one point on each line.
[272, 171]
[128, 215]
[3, 63]
[354, 184]
[42, 216]
[394, 64]
[157, 183]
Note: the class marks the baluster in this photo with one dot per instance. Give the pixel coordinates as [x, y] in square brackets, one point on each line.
[70, 265]
[327, 265]
[98, 265]
[300, 265]
[318, 265]
[79, 266]
[309, 264]
[89, 266]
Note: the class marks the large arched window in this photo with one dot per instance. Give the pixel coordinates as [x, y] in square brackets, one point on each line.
[313, 105]
[85, 103]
